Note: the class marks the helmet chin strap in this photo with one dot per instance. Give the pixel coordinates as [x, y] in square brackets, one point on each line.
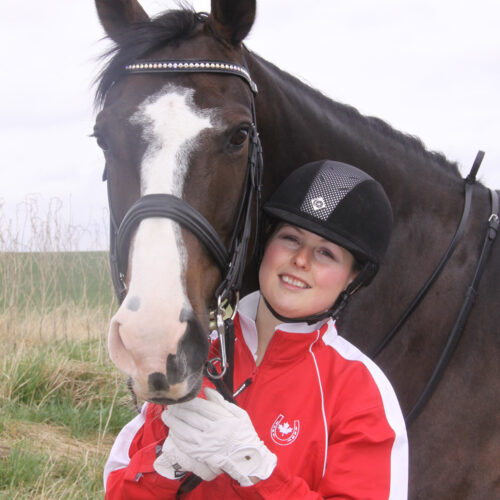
[363, 278]
[332, 312]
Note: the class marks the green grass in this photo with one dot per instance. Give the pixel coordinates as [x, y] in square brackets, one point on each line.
[61, 395]
[29, 473]
[62, 401]
[46, 280]
[64, 385]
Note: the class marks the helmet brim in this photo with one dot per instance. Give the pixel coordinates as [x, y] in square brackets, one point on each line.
[313, 226]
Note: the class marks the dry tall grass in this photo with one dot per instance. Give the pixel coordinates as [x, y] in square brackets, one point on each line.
[48, 289]
[61, 400]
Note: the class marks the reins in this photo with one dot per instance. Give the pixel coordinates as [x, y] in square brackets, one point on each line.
[456, 331]
[437, 271]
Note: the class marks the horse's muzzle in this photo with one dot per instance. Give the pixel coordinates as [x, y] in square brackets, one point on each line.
[163, 370]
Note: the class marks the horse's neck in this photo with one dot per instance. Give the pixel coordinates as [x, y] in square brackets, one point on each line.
[298, 124]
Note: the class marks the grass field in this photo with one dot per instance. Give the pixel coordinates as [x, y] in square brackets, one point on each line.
[61, 400]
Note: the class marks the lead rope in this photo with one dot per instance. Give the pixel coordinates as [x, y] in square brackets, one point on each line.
[223, 383]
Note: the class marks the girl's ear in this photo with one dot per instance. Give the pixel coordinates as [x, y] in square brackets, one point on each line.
[116, 16]
[356, 269]
[232, 19]
[352, 277]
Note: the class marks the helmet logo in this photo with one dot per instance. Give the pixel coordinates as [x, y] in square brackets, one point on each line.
[318, 203]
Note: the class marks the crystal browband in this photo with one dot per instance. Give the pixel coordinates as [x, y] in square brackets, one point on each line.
[194, 66]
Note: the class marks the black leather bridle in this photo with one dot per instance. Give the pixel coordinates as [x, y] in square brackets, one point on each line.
[231, 262]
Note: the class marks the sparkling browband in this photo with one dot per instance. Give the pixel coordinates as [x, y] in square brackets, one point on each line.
[194, 66]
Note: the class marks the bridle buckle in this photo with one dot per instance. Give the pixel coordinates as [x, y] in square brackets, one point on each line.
[220, 321]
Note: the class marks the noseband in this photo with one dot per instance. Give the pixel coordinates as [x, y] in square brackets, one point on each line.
[230, 261]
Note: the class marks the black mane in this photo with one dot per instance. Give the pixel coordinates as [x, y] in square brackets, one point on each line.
[142, 38]
[408, 142]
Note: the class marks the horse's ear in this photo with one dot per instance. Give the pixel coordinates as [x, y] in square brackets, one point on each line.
[117, 15]
[232, 19]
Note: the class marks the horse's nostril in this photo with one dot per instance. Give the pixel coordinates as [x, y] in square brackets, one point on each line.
[118, 351]
[177, 369]
[157, 382]
[187, 314]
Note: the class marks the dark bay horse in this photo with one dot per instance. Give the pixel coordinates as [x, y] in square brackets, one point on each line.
[188, 135]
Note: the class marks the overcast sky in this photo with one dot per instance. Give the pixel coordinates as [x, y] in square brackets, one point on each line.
[429, 68]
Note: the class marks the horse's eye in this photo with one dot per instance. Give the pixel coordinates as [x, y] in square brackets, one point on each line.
[101, 142]
[240, 136]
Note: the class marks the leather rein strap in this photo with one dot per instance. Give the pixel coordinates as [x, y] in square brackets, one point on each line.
[457, 329]
[455, 334]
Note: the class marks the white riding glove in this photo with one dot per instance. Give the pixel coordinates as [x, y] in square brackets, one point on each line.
[220, 435]
[174, 464]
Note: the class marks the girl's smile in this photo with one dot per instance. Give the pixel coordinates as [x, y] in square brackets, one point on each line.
[293, 282]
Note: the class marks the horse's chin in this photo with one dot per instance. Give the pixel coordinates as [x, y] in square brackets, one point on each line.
[168, 401]
[178, 393]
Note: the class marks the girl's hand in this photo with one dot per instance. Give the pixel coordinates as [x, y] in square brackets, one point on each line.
[174, 464]
[220, 435]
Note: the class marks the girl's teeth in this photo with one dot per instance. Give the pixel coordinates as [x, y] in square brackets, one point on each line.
[294, 282]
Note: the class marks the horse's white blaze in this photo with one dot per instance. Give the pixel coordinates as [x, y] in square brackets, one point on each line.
[170, 124]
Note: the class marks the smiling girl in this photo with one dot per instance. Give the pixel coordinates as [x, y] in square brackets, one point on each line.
[315, 418]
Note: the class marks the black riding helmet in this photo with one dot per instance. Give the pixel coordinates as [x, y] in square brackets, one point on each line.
[342, 204]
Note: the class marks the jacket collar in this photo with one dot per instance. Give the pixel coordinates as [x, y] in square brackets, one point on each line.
[247, 312]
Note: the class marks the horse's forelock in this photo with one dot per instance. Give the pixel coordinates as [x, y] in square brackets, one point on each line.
[141, 39]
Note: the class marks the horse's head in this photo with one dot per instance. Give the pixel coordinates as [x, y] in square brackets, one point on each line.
[186, 135]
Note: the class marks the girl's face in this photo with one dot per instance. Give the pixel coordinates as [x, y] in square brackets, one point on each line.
[302, 273]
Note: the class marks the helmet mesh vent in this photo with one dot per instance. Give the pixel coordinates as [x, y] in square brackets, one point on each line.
[328, 189]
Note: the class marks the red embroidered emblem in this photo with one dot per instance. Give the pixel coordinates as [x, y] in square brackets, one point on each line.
[282, 432]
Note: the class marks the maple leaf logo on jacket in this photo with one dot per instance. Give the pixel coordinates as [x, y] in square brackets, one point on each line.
[282, 433]
[285, 428]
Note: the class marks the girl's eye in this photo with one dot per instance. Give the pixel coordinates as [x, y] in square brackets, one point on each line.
[289, 237]
[326, 253]
[239, 137]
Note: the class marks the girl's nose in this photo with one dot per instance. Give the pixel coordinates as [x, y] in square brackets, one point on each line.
[302, 257]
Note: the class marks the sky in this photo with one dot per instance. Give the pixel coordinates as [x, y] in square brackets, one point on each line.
[428, 68]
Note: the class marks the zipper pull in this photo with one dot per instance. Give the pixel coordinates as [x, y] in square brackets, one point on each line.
[242, 387]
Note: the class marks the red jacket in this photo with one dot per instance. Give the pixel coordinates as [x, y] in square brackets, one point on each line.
[324, 408]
